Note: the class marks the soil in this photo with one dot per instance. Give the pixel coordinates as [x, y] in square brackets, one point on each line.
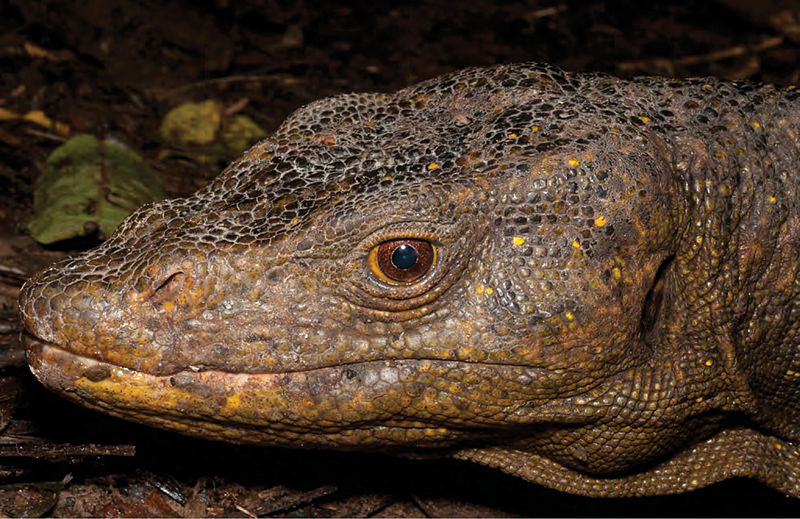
[114, 69]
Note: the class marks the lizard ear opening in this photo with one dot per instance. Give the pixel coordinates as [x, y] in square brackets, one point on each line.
[654, 299]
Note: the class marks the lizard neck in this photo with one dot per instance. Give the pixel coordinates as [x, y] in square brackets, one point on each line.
[734, 283]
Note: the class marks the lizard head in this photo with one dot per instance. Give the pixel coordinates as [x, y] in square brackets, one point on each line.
[462, 259]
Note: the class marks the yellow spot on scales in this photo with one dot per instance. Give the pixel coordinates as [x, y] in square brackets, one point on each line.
[519, 240]
[168, 306]
[534, 128]
[699, 240]
[576, 244]
[772, 200]
[756, 125]
[234, 401]
[512, 135]
[644, 119]
[480, 289]
[433, 166]
[569, 316]
[489, 290]
[600, 221]
[709, 362]
[617, 273]
[574, 163]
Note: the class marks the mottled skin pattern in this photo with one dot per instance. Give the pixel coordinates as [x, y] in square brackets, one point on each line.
[612, 311]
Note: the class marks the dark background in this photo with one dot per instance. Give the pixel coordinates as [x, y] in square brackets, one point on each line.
[114, 69]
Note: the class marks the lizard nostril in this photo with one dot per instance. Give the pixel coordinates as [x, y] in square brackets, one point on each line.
[170, 287]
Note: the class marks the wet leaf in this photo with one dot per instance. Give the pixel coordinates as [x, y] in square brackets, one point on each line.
[205, 133]
[88, 187]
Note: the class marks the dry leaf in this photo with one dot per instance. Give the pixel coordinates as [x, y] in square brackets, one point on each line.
[39, 117]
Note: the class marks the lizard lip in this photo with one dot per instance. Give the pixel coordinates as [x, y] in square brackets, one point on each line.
[55, 375]
[34, 344]
[58, 367]
[264, 408]
[35, 353]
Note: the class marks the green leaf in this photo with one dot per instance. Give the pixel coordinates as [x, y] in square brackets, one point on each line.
[89, 185]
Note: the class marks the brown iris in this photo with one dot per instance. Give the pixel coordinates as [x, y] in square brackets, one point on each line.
[403, 260]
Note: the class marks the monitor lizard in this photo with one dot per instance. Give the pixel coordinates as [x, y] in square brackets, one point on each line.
[589, 282]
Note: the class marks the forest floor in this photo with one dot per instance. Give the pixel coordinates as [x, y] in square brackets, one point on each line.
[114, 69]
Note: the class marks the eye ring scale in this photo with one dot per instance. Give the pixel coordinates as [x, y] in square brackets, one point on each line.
[403, 260]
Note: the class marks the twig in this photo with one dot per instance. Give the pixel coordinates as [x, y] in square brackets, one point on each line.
[717, 55]
[235, 79]
[46, 450]
[13, 273]
[293, 501]
[45, 135]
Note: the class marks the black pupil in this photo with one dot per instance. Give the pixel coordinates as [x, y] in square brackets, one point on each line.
[404, 257]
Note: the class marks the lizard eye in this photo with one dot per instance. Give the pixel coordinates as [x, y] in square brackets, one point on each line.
[401, 261]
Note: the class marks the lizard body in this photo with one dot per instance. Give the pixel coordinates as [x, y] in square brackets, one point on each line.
[589, 282]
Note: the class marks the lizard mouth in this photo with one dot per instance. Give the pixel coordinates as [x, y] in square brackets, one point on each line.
[352, 406]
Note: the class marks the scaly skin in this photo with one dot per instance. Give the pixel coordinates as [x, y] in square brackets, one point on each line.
[612, 310]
